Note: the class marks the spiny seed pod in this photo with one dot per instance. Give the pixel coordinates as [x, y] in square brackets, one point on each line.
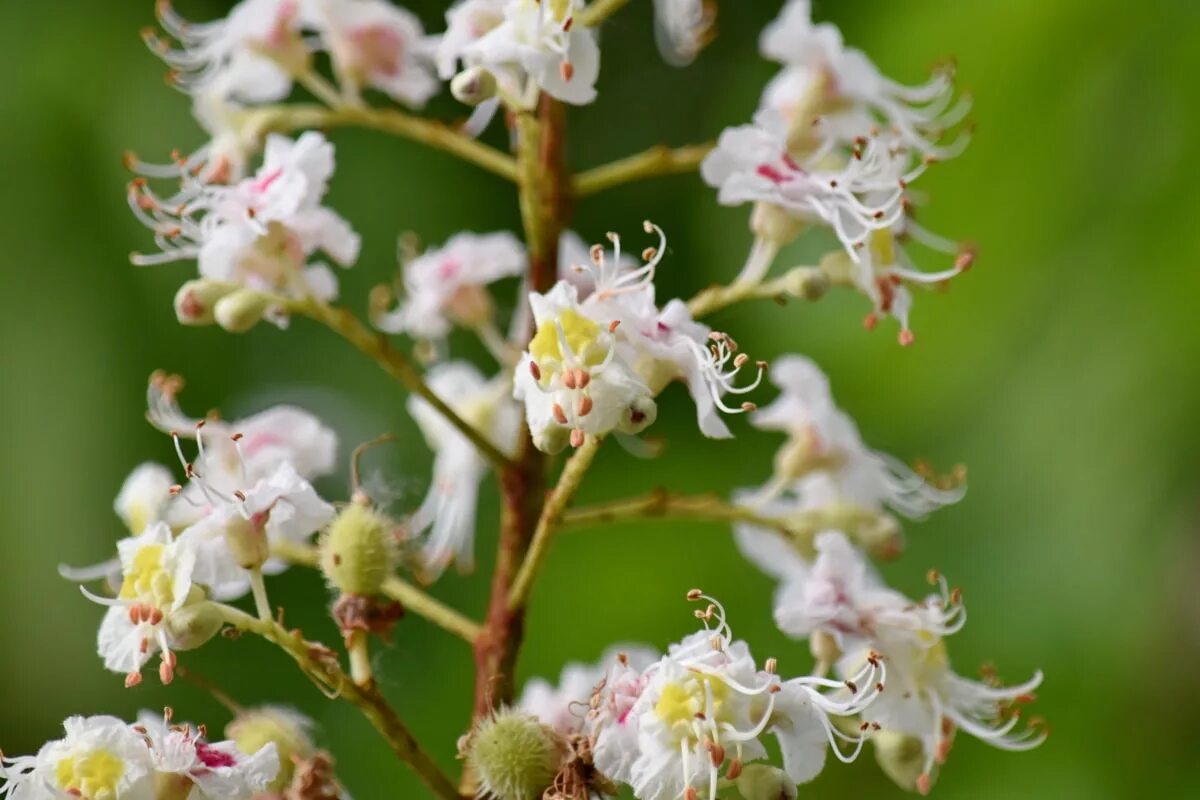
[359, 551]
[761, 782]
[254, 728]
[901, 757]
[514, 756]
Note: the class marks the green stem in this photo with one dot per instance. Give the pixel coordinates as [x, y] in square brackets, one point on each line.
[395, 363]
[438, 135]
[320, 664]
[660, 160]
[548, 523]
[259, 588]
[409, 596]
[802, 283]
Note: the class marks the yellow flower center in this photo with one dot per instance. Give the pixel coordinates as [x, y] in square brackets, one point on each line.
[147, 580]
[582, 336]
[94, 775]
[681, 702]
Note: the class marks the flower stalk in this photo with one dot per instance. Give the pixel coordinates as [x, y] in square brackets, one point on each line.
[652, 163]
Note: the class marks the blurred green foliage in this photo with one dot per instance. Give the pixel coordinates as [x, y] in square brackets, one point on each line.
[1063, 370]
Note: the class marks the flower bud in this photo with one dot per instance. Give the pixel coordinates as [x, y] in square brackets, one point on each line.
[900, 756]
[761, 782]
[881, 538]
[359, 552]
[195, 300]
[194, 623]
[776, 225]
[247, 541]
[253, 729]
[473, 85]
[513, 756]
[806, 283]
[241, 310]
[824, 647]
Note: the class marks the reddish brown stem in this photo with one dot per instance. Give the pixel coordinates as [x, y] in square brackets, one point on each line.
[544, 208]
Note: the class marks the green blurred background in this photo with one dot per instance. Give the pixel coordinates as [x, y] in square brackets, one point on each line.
[1063, 370]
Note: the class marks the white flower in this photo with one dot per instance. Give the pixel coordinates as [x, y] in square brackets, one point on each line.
[564, 706]
[260, 232]
[156, 583]
[448, 511]
[240, 452]
[542, 42]
[574, 258]
[100, 758]
[682, 28]
[376, 44]
[823, 439]
[572, 379]
[670, 729]
[752, 163]
[665, 345]
[466, 21]
[447, 285]
[851, 93]
[884, 271]
[200, 769]
[252, 53]
[280, 507]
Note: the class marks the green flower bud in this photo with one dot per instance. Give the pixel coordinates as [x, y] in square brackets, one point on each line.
[513, 756]
[254, 728]
[247, 541]
[194, 623]
[805, 283]
[901, 757]
[195, 300]
[473, 85]
[761, 782]
[358, 552]
[776, 225]
[241, 310]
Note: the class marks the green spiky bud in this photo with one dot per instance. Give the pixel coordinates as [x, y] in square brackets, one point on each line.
[513, 756]
[358, 552]
[254, 728]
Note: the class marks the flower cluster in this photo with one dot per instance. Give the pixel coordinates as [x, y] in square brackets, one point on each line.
[835, 144]
[104, 758]
[580, 346]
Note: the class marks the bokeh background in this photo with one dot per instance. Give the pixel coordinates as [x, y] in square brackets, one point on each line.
[1064, 370]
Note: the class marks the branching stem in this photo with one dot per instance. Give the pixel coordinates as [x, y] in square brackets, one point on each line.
[660, 160]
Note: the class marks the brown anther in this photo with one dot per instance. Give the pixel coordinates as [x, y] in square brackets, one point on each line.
[567, 23]
[748, 407]
[583, 378]
[771, 666]
[690, 793]
[956, 595]
[735, 769]
[612, 326]
[535, 370]
[933, 576]
[930, 160]
[566, 70]
[715, 752]
[694, 594]
[623, 659]
[133, 679]
[174, 490]
[337, 559]
[740, 360]
[237, 437]
[597, 253]
[875, 726]
[577, 438]
[649, 253]
[156, 616]
[866, 726]
[852, 686]
[239, 494]
[569, 378]
[879, 687]
[585, 405]
[144, 646]
[833, 184]
[559, 414]
[776, 688]
[716, 643]
[964, 260]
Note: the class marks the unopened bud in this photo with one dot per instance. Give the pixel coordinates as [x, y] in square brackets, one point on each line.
[473, 85]
[247, 540]
[255, 728]
[806, 283]
[824, 647]
[901, 757]
[194, 623]
[513, 756]
[241, 310]
[762, 782]
[837, 267]
[775, 224]
[358, 552]
[195, 300]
